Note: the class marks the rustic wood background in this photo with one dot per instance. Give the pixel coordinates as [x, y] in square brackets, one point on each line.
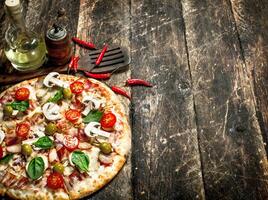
[201, 131]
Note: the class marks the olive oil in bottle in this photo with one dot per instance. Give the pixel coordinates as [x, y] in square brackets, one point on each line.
[25, 49]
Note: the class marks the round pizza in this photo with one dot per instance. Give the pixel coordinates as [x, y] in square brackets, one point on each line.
[62, 137]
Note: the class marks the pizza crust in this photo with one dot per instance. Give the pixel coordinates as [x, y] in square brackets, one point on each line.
[85, 188]
[82, 188]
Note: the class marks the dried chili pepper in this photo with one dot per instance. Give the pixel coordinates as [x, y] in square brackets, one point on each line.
[71, 64]
[98, 76]
[133, 82]
[75, 64]
[120, 91]
[83, 43]
[100, 57]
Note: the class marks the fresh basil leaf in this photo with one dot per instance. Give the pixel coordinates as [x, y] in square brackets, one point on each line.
[93, 116]
[20, 105]
[36, 168]
[6, 158]
[80, 160]
[58, 96]
[44, 142]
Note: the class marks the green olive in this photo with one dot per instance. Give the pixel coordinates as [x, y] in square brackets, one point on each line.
[8, 110]
[105, 147]
[58, 167]
[26, 149]
[51, 128]
[67, 93]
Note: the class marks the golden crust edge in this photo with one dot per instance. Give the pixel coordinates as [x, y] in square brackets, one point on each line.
[104, 181]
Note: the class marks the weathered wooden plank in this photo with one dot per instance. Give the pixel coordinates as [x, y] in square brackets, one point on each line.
[166, 162]
[233, 156]
[251, 20]
[108, 22]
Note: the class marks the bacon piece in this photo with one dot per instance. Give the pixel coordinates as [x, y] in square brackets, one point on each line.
[68, 186]
[75, 176]
[87, 85]
[62, 152]
[36, 118]
[11, 140]
[81, 135]
[32, 105]
[2, 175]
[22, 182]
[63, 126]
[9, 179]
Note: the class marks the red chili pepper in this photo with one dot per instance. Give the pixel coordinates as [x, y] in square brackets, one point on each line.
[138, 82]
[120, 91]
[70, 66]
[83, 43]
[75, 64]
[100, 57]
[98, 76]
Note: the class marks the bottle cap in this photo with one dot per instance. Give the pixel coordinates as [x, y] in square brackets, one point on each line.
[13, 6]
[56, 33]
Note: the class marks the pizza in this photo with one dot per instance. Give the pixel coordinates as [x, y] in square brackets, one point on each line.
[62, 137]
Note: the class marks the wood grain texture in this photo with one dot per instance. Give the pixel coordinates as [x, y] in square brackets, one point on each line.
[102, 22]
[166, 162]
[251, 20]
[233, 156]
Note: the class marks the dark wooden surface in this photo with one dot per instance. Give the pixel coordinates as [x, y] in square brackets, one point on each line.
[201, 131]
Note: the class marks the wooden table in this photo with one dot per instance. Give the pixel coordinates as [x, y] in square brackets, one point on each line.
[201, 131]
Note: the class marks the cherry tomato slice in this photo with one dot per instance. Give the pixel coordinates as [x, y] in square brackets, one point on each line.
[70, 142]
[77, 87]
[1, 152]
[55, 181]
[72, 115]
[22, 94]
[22, 130]
[108, 120]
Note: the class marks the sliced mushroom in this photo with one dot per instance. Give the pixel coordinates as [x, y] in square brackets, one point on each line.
[91, 103]
[29, 141]
[52, 79]
[41, 92]
[70, 159]
[53, 156]
[2, 136]
[59, 137]
[87, 109]
[93, 130]
[84, 145]
[39, 130]
[14, 148]
[89, 99]
[15, 112]
[68, 171]
[51, 111]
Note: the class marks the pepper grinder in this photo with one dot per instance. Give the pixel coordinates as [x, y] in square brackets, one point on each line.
[58, 45]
